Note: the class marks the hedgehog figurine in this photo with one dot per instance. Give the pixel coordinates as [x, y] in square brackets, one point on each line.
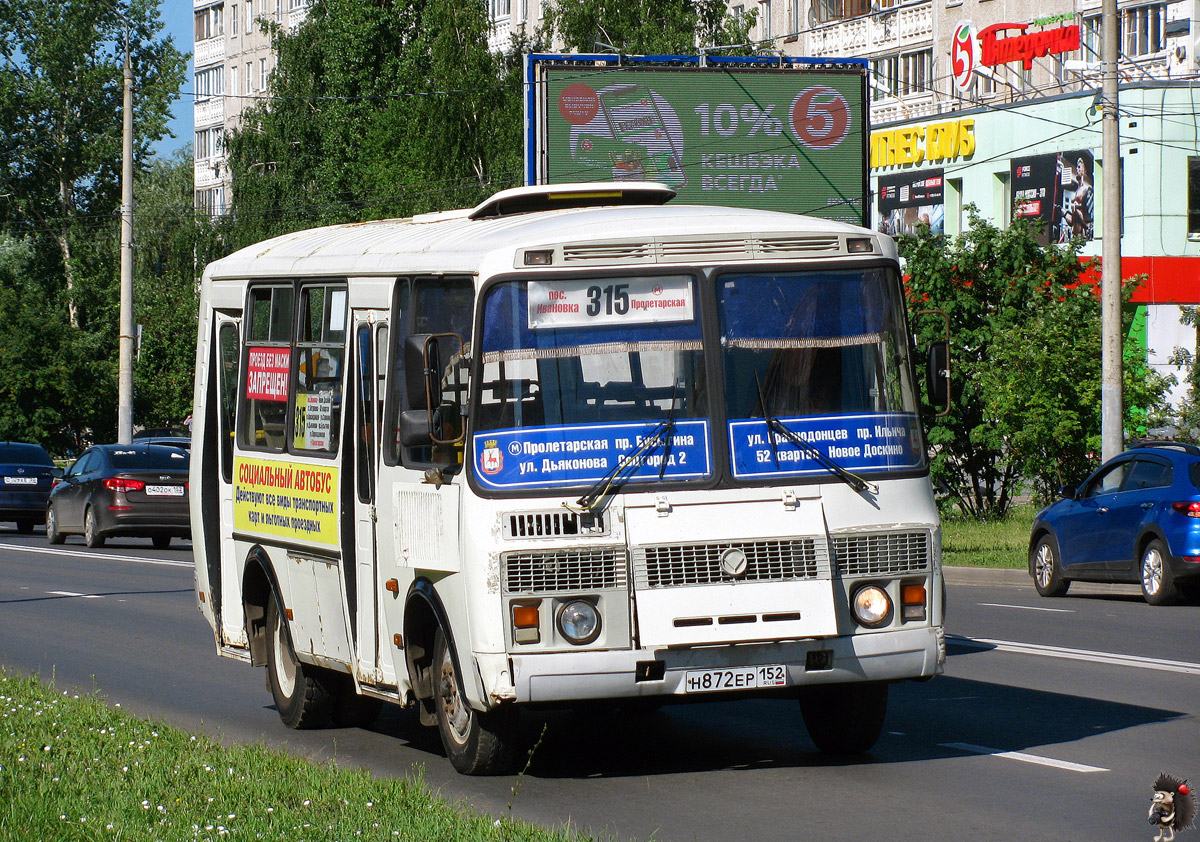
[1172, 808]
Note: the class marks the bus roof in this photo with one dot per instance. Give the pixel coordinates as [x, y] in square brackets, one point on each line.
[583, 237]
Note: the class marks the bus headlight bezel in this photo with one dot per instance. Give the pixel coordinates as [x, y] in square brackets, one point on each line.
[569, 616]
[871, 606]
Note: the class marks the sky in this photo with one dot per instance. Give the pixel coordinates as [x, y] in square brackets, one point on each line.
[177, 20]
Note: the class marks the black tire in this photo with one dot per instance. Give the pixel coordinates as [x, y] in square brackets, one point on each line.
[303, 694]
[476, 743]
[161, 542]
[1047, 568]
[1190, 590]
[844, 718]
[24, 526]
[53, 534]
[91, 529]
[1158, 585]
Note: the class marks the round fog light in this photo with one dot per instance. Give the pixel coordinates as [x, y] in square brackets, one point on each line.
[579, 622]
[871, 606]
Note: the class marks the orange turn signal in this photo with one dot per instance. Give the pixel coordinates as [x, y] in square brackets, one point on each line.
[525, 616]
[912, 595]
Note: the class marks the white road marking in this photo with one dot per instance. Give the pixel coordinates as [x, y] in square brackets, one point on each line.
[1109, 658]
[72, 593]
[109, 556]
[1026, 607]
[1024, 757]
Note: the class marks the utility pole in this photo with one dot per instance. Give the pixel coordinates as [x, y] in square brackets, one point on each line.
[1112, 438]
[125, 364]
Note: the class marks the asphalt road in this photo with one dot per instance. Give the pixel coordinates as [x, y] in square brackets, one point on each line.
[1051, 721]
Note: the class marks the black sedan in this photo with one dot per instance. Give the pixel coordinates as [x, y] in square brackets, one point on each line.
[26, 475]
[122, 489]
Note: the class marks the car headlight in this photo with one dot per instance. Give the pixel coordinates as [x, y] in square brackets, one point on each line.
[579, 622]
[871, 606]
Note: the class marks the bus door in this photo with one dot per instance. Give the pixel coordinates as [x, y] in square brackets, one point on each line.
[218, 483]
[370, 354]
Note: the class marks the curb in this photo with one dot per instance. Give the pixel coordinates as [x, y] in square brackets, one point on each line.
[1008, 577]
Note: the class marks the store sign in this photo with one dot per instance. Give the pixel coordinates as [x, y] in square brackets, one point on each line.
[989, 47]
[908, 202]
[941, 141]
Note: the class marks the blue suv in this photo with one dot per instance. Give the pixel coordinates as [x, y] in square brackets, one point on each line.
[1135, 520]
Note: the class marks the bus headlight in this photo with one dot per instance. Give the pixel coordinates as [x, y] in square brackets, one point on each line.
[871, 606]
[579, 622]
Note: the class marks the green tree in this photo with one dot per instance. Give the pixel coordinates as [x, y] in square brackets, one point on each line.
[61, 84]
[378, 109]
[649, 27]
[1025, 362]
[169, 237]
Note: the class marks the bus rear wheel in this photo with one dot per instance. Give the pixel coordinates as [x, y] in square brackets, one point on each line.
[476, 742]
[844, 718]
[302, 693]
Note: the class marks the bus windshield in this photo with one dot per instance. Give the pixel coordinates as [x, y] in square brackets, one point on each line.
[576, 373]
[823, 353]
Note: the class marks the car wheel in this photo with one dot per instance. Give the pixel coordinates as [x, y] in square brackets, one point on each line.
[1157, 585]
[1047, 571]
[53, 534]
[844, 718]
[161, 542]
[477, 743]
[24, 526]
[91, 529]
[301, 692]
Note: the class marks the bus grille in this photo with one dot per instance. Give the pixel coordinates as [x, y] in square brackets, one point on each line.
[700, 564]
[551, 524]
[586, 569]
[881, 553]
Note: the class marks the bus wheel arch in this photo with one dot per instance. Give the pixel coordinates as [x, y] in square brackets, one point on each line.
[258, 588]
[423, 616]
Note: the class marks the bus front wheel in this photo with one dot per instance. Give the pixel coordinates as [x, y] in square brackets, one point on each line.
[844, 718]
[476, 742]
[302, 697]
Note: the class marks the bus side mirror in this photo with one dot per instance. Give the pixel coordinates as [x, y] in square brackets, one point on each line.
[937, 376]
[432, 365]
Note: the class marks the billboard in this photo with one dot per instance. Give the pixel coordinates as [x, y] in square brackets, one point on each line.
[908, 201]
[1058, 191]
[778, 135]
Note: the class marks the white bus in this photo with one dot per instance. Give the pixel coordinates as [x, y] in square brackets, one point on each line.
[576, 443]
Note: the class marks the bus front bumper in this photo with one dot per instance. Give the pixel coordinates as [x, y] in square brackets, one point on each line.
[576, 676]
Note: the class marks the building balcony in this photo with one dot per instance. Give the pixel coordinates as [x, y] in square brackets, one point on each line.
[893, 30]
[209, 51]
[209, 112]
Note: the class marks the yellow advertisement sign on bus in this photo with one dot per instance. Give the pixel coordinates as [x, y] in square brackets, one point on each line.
[285, 499]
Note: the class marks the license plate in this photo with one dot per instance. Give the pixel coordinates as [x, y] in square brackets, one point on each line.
[736, 678]
[20, 480]
[164, 490]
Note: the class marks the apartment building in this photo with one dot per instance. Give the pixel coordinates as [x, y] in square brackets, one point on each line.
[233, 61]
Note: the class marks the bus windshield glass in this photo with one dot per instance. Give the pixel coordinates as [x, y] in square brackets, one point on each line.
[577, 374]
[824, 354]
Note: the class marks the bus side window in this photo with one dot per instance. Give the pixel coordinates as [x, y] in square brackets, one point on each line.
[227, 361]
[319, 367]
[262, 420]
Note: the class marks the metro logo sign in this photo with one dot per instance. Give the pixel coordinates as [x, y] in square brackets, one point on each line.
[989, 48]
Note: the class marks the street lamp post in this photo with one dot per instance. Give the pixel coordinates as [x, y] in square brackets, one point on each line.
[1112, 439]
[125, 362]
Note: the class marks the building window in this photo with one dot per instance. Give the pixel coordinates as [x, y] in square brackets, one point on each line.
[833, 10]
[208, 143]
[249, 16]
[915, 72]
[765, 33]
[501, 8]
[1193, 198]
[233, 21]
[210, 82]
[208, 23]
[1142, 30]
[884, 73]
[262, 74]
[233, 79]
[211, 201]
[249, 77]
[793, 21]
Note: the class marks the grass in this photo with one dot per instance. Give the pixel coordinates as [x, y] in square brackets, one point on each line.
[72, 768]
[1001, 543]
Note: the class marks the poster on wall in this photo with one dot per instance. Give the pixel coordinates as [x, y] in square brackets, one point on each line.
[911, 200]
[791, 139]
[1057, 191]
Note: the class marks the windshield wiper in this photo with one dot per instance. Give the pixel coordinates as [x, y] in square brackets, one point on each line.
[774, 425]
[595, 498]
